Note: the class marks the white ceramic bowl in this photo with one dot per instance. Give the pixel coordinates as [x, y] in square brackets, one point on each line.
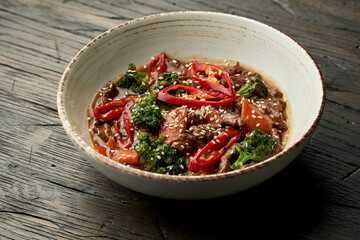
[183, 34]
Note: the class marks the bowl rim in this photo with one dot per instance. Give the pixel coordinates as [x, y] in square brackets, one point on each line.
[76, 139]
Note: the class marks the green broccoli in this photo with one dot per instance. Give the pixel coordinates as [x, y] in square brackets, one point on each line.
[254, 147]
[146, 114]
[254, 88]
[157, 156]
[137, 82]
[168, 79]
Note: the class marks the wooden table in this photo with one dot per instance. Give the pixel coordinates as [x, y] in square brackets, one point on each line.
[48, 191]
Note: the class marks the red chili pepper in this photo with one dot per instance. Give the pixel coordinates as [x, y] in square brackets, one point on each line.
[211, 82]
[111, 110]
[164, 96]
[159, 65]
[129, 129]
[218, 146]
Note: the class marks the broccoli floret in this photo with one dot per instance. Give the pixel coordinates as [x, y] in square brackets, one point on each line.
[157, 156]
[133, 80]
[254, 147]
[168, 79]
[254, 88]
[146, 114]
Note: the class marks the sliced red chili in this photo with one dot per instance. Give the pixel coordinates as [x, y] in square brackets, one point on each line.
[129, 129]
[159, 65]
[218, 146]
[211, 81]
[111, 110]
[164, 96]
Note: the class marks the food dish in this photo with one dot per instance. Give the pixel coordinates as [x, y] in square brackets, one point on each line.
[189, 35]
[188, 118]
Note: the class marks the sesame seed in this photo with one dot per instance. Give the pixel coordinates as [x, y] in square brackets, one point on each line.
[258, 124]
[253, 116]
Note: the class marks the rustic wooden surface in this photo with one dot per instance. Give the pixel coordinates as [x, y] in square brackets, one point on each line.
[48, 191]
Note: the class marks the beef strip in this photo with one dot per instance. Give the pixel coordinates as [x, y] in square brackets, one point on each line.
[203, 115]
[106, 93]
[205, 131]
[231, 115]
[104, 132]
[275, 134]
[225, 165]
[274, 107]
[233, 119]
[238, 75]
[186, 143]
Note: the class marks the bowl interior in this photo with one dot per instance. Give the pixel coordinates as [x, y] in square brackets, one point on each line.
[211, 35]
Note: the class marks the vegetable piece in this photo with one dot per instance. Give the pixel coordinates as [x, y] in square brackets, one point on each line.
[174, 124]
[157, 156]
[157, 66]
[211, 82]
[168, 79]
[133, 80]
[101, 150]
[254, 88]
[164, 96]
[111, 143]
[218, 146]
[253, 118]
[129, 129]
[128, 156]
[254, 147]
[146, 114]
[110, 110]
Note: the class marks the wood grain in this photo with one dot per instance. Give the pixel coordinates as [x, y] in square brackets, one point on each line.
[48, 191]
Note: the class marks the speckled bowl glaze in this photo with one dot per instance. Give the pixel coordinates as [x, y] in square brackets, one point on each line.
[183, 34]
